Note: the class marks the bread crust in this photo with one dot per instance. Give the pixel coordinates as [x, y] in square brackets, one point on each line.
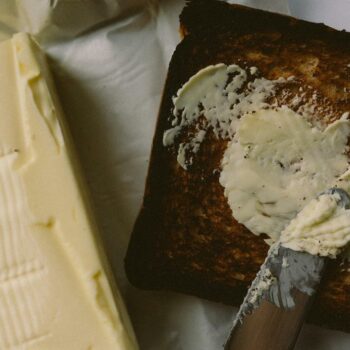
[185, 237]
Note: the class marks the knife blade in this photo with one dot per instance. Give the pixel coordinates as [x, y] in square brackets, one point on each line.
[273, 310]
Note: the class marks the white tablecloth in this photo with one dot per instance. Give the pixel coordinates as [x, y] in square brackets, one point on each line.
[110, 77]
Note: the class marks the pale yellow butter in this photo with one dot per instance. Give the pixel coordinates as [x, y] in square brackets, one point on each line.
[54, 293]
[321, 228]
[277, 163]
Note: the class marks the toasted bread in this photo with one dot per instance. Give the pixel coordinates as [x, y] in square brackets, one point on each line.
[185, 237]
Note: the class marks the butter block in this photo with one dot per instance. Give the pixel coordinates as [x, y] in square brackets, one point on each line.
[54, 290]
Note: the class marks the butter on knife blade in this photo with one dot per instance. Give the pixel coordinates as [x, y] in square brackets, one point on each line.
[278, 299]
[54, 291]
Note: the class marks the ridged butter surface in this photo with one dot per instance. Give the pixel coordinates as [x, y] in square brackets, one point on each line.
[54, 293]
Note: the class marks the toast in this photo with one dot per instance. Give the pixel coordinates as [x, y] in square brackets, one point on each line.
[185, 238]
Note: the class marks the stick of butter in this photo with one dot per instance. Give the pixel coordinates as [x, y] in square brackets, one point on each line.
[54, 293]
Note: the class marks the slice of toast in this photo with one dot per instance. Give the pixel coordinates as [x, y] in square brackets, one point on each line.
[185, 237]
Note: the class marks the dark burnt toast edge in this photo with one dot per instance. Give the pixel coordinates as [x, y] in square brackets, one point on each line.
[202, 17]
[147, 267]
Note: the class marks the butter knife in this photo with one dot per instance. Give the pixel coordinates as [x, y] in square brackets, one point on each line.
[277, 302]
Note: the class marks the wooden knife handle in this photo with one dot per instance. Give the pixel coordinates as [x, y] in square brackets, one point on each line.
[270, 327]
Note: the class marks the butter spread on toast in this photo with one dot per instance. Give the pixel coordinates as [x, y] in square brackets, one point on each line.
[322, 227]
[221, 94]
[276, 161]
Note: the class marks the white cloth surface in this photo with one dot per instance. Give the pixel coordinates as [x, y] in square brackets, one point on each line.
[110, 78]
[335, 13]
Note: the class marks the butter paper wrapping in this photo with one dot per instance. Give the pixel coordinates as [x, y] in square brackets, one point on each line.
[110, 77]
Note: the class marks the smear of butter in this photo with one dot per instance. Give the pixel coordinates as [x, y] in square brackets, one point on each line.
[276, 163]
[266, 279]
[322, 227]
[221, 94]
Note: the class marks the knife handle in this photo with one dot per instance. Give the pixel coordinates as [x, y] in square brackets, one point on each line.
[270, 327]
